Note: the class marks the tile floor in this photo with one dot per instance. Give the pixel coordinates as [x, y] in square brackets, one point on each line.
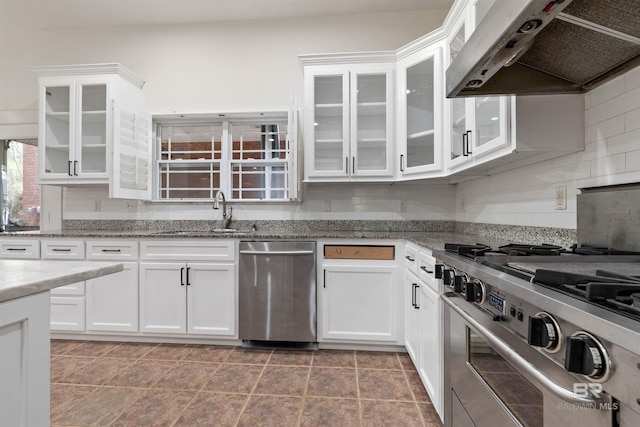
[127, 384]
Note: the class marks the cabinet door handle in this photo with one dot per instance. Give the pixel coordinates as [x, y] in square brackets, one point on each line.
[415, 296]
[401, 163]
[69, 168]
[346, 165]
[468, 142]
[182, 276]
[464, 144]
[188, 283]
[75, 167]
[324, 278]
[424, 268]
[353, 165]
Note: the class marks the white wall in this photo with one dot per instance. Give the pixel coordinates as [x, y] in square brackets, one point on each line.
[231, 67]
[526, 196]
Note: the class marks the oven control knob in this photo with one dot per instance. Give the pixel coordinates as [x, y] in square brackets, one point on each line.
[460, 283]
[585, 355]
[448, 277]
[479, 292]
[439, 271]
[544, 332]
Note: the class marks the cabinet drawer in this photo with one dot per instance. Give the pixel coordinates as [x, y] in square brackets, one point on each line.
[76, 289]
[188, 250]
[67, 314]
[411, 258]
[359, 252]
[426, 269]
[63, 249]
[112, 250]
[19, 249]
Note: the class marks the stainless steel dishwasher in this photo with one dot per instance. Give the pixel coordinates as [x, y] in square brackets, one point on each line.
[277, 295]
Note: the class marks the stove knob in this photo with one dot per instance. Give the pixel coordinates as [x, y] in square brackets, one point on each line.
[448, 276]
[585, 355]
[544, 332]
[460, 283]
[479, 292]
[439, 272]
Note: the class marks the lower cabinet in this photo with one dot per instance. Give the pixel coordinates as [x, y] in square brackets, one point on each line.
[360, 302]
[193, 298]
[112, 301]
[430, 364]
[423, 327]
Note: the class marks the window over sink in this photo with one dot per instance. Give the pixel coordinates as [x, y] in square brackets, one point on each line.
[250, 157]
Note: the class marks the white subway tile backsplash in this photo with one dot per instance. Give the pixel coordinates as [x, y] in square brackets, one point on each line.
[633, 160]
[607, 91]
[632, 79]
[610, 165]
[621, 104]
[632, 120]
[607, 128]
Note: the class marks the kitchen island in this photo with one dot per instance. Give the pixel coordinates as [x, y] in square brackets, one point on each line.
[24, 333]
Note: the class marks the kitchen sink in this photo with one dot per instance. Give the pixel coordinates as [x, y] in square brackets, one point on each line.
[216, 231]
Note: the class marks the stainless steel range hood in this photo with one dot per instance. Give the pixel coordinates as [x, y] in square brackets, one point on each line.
[546, 46]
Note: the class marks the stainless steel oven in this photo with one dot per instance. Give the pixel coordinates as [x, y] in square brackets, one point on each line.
[518, 352]
[493, 378]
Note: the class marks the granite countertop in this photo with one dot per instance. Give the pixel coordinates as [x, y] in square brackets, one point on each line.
[20, 278]
[431, 240]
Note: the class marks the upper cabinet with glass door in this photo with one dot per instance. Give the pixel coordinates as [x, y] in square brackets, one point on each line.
[92, 127]
[348, 121]
[420, 94]
[477, 124]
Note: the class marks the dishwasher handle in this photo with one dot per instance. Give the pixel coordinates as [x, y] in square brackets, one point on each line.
[276, 252]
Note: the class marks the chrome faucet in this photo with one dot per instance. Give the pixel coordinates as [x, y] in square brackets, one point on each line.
[226, 216]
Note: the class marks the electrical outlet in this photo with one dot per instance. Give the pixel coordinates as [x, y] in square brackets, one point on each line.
[132, 206]
[327, 206]
[96, 205]
[403, 205]
[561, 197]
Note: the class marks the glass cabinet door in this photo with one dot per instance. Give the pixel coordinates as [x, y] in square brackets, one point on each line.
[459, 112]
[420, 114]
[58, 122]
[369, 128]
[92, 133]
[330, 113]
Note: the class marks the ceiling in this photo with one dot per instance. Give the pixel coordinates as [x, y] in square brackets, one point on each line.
[60, 14]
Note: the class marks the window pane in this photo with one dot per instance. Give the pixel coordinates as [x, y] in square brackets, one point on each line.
[259, 141]
[191, 142]
[20, 191]
[189, 180]
[261, 182]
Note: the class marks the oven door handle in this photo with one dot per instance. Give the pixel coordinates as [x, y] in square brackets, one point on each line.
[521, 363]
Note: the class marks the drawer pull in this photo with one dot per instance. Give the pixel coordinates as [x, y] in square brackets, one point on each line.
[409, 258]
[60, 250]
[424, 268]
[17, 249]
[112, 251]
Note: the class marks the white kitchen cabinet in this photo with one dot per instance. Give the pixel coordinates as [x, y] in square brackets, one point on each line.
[412, 316]
[112, 301]
[430, 365]
[348, 125]
[93, 129]
[490, 134]
[178, 296]
[194, 298]
[24, 361]
[420, 104]
[19, 248]
[359, 300]
[67, 302]
[477, 125]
